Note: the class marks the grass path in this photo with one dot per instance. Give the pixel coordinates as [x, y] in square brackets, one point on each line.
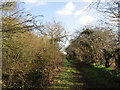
[76, 75]
[69, 77]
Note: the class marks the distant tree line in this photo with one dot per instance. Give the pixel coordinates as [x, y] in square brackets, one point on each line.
[96, 46]
[99, 45]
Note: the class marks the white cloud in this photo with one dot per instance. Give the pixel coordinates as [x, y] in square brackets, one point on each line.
[59, 0]
[80, 12]
[29, 1]
[70, 6]
[86, 20]
[67, 10]
[36, 2]
[90, 1]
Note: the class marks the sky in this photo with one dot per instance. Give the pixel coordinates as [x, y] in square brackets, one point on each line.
[73, 14]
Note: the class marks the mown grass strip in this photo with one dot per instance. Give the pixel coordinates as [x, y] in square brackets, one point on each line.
[65, 79]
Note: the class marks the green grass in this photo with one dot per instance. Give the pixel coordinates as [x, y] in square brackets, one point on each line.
[103, 76]
[97, 76]
[65, 79]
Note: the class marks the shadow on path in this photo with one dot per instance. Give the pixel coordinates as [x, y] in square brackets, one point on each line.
[69, 77]
[95, 77]
[78, 67]
[78, 75]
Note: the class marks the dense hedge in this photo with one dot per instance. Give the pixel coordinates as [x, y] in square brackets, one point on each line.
[29, 61]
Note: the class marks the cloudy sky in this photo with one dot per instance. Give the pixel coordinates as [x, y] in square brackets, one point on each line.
[73, 14]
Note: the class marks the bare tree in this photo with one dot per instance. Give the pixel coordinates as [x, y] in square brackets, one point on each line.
[56, 32]
[14, 19]
[111, 11]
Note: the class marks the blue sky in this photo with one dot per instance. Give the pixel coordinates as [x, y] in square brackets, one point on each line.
[72, 14]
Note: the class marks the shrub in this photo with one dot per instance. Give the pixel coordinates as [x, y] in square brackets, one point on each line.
[28, 61]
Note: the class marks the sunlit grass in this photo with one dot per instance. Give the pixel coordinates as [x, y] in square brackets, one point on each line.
[65, 79]
[99, 76]
[103, 76]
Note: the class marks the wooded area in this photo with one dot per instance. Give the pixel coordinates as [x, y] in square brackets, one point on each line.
[32, 52]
